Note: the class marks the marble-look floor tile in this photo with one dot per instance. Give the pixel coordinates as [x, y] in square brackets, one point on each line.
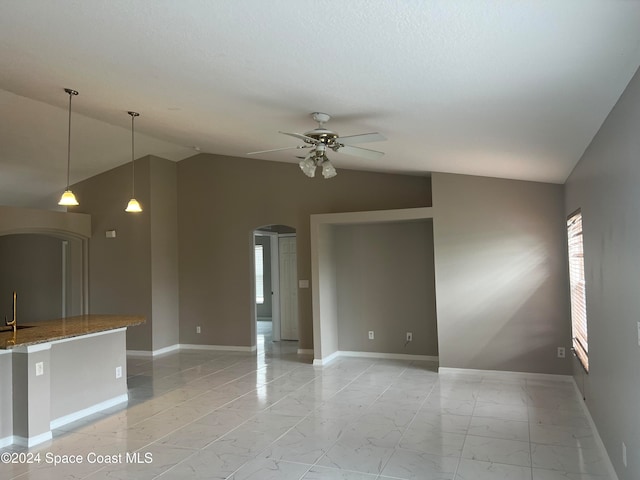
[365, 459]
[408, 464]
[496, 450]
[376, 434]
[447, 405]
[153, 461]
[568, 459]
[295, 447]
[518, 413]
[429, 420]
[503, 396]
[267, 469]
[220, 415]
[563, 435]
[326, 473]
[194, 435]
[476, 470]
[434, 442]
[499, 428]
[299, 406]
[207, 464]
[558, 417]
[541, 474]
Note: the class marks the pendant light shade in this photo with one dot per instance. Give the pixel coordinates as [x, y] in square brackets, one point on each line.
[133, 206]
[68, 198]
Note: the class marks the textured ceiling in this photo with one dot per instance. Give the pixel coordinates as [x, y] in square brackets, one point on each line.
[512, 89]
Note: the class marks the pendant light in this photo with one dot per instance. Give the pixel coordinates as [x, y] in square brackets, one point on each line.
[68, 198]
[134, 205]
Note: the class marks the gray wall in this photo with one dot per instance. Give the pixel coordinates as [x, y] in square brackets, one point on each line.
[605, 186]
[30, 418]
[385, 283]
[32, 266]
[77, 385]
[163, 210]
[222, 200]
[501, 274]
[6, 395]
[120, 268]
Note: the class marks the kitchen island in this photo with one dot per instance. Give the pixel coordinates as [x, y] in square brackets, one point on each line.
[60, 371]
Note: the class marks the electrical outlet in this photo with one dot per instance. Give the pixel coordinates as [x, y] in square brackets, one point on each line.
[39, 369]
[198, 329]
[409, 337]
[624, 454]
[561, 352]
[118, 372]
[371, 335]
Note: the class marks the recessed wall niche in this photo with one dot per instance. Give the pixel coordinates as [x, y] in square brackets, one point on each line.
[373, 271]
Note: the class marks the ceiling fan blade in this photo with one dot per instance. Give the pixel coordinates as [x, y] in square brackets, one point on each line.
[362, 138]
[278, 149]
[301, 137]
[361, 152]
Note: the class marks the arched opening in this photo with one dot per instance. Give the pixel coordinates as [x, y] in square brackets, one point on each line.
[47, 272]
[67, 236]
[275, 287]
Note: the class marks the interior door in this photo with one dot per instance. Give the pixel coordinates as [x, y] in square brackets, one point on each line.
[288, 288]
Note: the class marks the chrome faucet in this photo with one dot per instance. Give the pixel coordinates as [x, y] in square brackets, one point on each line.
[13, 322]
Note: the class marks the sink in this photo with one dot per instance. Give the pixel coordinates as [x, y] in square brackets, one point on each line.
[19, 327]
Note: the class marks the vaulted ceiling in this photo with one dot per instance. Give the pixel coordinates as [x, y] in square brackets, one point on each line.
[513, 89]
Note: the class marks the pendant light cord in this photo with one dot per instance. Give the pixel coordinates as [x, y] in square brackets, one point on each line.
[133, 157]
[133, 161]
[71, 94]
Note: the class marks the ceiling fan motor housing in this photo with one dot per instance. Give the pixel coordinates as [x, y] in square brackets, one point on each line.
[324, 136]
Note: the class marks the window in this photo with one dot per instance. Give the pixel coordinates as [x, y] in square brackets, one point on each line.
[259, 255]
[577, 285]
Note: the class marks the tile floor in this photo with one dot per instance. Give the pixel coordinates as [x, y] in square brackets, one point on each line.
[272, 415]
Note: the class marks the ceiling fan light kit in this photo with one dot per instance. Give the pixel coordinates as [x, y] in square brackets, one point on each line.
[320, 139]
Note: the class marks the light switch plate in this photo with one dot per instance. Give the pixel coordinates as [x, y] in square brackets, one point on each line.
[303, 283]
[118, 372]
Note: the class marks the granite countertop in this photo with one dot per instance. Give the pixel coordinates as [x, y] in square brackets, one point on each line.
[68, 327]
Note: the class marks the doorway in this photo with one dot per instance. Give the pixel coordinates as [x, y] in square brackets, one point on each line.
[275, 281]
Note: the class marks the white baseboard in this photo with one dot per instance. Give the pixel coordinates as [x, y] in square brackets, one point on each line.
[187, 346]
[612, 471]
[305, 351]
[230, 348]
[6, 441]
[85, 412]
[391, 356]
[504, 374]
[32, 441]
[153, 353]
[321, 362]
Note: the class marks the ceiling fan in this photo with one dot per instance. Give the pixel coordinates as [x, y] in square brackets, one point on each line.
[320, 139]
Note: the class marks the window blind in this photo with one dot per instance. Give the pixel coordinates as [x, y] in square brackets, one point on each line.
[577, 286]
